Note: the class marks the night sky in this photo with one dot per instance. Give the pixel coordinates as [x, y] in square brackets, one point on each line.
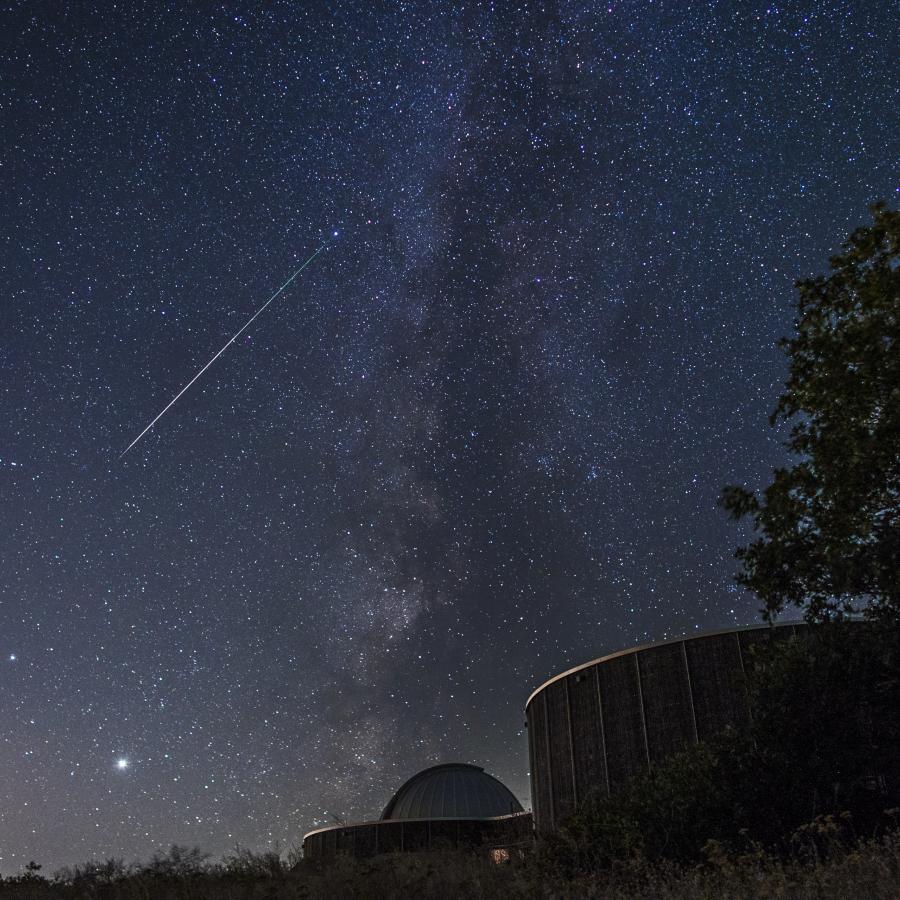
[480, 439]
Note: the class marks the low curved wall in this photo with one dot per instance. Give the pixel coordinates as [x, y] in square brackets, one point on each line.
[411, 835]
[593, 727]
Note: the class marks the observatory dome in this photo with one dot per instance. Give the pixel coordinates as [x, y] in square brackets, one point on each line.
[452, 791]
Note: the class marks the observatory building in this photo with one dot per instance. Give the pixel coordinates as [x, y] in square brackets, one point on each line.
[446, 807]
[590, 729]
[593, 727]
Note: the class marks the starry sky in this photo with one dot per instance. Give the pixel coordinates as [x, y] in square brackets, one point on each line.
[478, 440]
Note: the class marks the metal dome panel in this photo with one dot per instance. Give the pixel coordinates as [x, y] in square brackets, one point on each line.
[452, 791]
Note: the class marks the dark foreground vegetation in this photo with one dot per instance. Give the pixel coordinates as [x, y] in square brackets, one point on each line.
[870, 869]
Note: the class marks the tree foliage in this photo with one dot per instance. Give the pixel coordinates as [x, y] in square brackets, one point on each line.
[828, 529]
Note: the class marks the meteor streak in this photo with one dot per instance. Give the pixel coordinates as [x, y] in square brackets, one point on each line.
[237, 334]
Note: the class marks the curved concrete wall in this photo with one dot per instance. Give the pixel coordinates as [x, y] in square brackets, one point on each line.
[410, 835]
[591, 728]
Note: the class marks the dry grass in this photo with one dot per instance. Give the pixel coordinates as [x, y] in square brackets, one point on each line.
[870, 869]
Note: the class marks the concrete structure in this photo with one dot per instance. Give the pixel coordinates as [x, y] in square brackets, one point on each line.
[593, 727]
[453, 806]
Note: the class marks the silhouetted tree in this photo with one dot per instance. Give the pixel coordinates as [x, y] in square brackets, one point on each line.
[178, 862]
[828, 529]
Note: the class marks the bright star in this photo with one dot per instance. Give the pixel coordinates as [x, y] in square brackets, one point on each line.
[12, 657]
[121, 764]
